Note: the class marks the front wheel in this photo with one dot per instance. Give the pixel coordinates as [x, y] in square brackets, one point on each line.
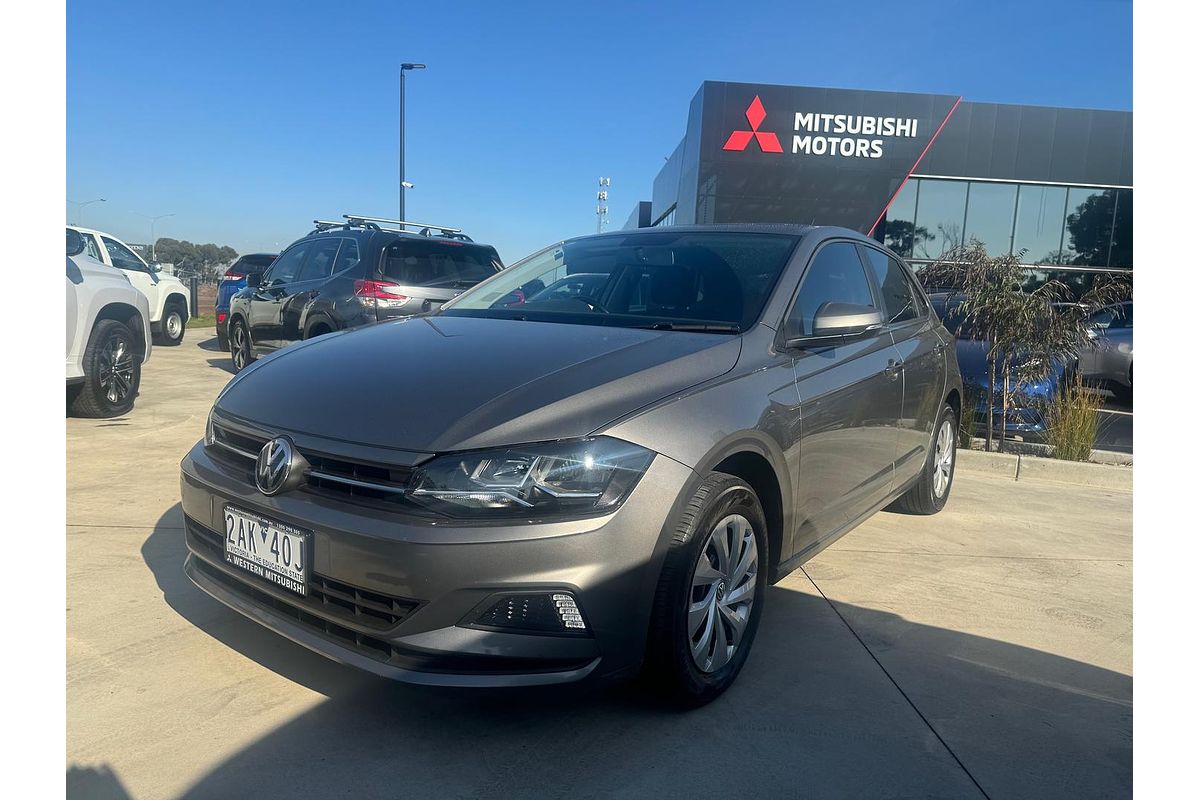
[710, 594]
[239, 345]
[929, 494]
[113, 371]
[174, 323]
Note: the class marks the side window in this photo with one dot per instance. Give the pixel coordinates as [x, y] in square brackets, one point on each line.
[835, 276]
[286, 267]
[320, 260]
[91, 247]
[122, 256]
[899, 302]
[347, 257]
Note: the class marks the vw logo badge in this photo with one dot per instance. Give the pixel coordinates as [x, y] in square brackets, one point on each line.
[274, 465]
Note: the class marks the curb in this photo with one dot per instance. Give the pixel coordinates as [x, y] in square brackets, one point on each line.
[1025, 467]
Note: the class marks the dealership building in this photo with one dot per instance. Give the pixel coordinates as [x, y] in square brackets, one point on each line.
[919, 172]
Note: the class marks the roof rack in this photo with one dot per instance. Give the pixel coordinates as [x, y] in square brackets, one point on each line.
[426, 228]
[373, 224]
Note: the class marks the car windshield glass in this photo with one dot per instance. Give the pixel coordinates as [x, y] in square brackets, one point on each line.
[439, 264]
[705, 281]
[257, 260]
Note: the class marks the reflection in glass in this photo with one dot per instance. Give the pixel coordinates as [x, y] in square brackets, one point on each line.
[941, 206]
[898, 230]
[1120, 254]
[1039, 230]
[1089, 226]
[990, 208]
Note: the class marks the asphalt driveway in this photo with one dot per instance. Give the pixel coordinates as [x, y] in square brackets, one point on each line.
[983, 652]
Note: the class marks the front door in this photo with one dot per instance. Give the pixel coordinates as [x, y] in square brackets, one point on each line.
[135, 269]
[318, 266]
[266, 306]
[851, 394]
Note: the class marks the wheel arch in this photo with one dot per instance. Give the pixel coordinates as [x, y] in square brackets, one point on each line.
[754, 469]
[177, 297]
[127, 315]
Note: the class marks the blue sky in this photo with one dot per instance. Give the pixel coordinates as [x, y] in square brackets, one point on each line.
[247, 120]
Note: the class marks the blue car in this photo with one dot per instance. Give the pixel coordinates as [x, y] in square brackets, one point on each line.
[1027, 402]
[232, 282]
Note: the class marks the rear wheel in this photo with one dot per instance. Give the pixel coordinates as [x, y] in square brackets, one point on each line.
[710, 593]
[929, 494]
[113, 371]
[239, 345]
[174, 323]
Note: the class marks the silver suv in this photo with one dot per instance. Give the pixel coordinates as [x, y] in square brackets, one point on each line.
[552, 480]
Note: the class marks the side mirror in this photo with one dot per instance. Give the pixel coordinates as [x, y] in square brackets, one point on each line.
[836, 322]
[254, 279]
[75, 243]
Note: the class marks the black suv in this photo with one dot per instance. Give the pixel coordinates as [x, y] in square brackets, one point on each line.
[346, 274]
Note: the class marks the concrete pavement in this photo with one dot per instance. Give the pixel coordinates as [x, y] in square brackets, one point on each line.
[982, 652]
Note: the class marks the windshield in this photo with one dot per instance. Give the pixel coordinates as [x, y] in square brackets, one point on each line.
[440, 264]
[670, 280]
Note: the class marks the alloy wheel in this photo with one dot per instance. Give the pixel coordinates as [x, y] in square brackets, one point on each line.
[115, 367]
[239, 347]
[943, 459]
[724, 582]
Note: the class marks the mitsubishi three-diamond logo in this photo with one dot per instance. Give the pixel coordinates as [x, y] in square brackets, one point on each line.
[767, 141]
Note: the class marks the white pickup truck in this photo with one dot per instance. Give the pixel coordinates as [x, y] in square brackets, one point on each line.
[108, 335]
[166, 294]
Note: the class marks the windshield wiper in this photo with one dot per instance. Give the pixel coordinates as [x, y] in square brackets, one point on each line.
[702, 327]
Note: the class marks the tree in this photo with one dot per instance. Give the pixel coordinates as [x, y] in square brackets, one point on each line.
[205, 261]
[1030, 333]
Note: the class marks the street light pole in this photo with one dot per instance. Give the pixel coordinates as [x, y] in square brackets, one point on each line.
[79, 210]
[403, 69]
[153, 220]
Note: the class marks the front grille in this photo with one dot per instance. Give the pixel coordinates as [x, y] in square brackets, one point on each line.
[325, 595]
[368, 645]
[330, 476]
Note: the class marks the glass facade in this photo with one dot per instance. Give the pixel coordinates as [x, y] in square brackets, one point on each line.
[1071, 226]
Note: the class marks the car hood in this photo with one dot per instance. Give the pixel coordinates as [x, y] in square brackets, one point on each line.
[435, 384]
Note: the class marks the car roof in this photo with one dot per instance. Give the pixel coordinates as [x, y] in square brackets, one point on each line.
[93, 230]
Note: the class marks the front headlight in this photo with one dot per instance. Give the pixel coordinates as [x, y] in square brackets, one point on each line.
[576, 477]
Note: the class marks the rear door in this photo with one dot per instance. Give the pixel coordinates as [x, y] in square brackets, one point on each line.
[267, 301]
[428, 272]
[850, 399]
[921, 348]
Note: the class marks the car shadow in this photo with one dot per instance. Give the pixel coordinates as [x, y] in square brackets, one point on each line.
[211, 344]
[223, 363]
[815, 713]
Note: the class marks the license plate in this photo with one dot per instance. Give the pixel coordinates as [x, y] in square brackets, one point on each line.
[271, 550]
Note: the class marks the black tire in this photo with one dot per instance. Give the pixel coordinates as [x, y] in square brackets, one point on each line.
[223, 342]
[174, 324]
[1123, 393]
[240, 349]
[923, 497]
[113, 370]
[670, 665]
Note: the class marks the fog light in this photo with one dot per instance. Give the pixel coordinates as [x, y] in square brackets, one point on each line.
[556, 612]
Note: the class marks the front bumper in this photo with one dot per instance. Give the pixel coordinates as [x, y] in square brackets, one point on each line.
[433, 575]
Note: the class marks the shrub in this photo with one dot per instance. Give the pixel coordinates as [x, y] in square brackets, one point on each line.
[1072, 420]
[972, 393]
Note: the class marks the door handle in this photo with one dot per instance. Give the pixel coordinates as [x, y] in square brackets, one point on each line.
[893, 369]
[939, 348]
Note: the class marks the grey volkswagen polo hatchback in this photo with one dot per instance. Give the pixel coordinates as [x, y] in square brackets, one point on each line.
[589, 465]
